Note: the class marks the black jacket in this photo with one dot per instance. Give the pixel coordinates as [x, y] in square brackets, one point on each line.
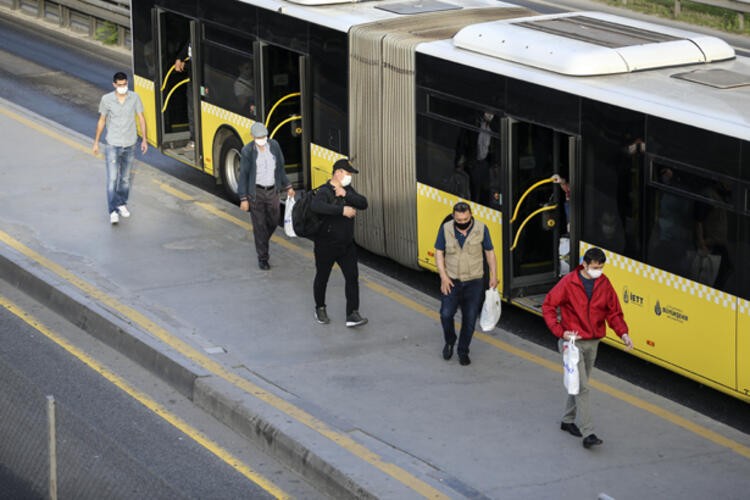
[336, 230]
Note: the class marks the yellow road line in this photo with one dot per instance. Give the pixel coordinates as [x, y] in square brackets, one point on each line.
[146, 401]
[217, 369]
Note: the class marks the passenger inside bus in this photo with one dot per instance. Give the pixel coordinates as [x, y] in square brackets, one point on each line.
[712, 265]
[479, 150]
[671, 236]
[244, 89]
[183, 65]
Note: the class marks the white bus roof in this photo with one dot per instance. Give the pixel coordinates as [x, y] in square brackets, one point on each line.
[343, 15]
[654, 92]
[590, 43]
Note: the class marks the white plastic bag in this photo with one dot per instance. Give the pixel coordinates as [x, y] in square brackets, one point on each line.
[491, 310]
[288, 227]
[570, 366]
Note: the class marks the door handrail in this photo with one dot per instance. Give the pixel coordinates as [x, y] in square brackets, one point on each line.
[166, 101]
[284, 122]
[545, 208]
[166, 78]
[525, 194]
[273, 108]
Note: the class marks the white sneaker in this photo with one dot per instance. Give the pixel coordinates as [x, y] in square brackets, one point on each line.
[114, 218]
[123, 211]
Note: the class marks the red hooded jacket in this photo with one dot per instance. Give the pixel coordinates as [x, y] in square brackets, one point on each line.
[580, 314]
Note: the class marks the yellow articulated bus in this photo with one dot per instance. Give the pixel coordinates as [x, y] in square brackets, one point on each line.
[484, 101]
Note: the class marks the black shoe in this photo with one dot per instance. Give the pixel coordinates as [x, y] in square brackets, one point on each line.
[354, 319]
[448, 351]
[464, 359]
[321, 316]
[572, 428]
[591, 440]
[264, 265]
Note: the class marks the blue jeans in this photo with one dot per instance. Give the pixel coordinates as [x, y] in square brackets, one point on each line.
[467, 295]
[119, 167]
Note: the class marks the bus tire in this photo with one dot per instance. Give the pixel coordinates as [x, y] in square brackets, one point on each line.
[229, 166]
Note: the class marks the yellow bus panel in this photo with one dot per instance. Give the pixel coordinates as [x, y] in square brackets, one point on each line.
[321, 162]
[676, 322]
[212, 119]
[743, 347]
[433, 205]
[145, 90]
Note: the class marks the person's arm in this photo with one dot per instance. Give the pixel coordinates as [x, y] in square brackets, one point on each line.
[615, 317]
[285, 184]
[99, 129]
[446, 283]
[243, 180]
[354, 199]
[549, 309]
[323, 204]
[144, 134]
[489, 254]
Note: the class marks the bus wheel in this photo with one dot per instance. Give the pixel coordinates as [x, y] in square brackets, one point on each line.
[230, 166]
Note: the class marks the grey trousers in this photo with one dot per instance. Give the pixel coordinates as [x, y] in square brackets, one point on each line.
[578, 406]
[264, 212]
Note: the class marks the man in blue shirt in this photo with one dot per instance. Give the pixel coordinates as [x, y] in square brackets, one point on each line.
[461, 246]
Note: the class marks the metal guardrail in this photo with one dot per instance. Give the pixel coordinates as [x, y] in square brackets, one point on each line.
[104, 20]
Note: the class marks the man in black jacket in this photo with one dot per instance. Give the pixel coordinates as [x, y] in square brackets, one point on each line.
[338, 203]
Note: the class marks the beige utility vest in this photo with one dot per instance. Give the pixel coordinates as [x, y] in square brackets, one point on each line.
[464, 263]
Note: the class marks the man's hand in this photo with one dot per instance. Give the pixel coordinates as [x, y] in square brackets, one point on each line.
[340, 191]
[179, 66]
[446, 285]
[144, 146]
[493, 281]
[290, 193]
[626, 340]
[349, 212]
[570, 335]
[95, 149]
[245, 205]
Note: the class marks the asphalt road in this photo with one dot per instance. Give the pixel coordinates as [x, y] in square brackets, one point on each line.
[109, 444]
[64, 81]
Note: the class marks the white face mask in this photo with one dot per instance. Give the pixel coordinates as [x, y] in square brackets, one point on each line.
[346, 180]
[122, 90]
[262, 141]
[594, 273]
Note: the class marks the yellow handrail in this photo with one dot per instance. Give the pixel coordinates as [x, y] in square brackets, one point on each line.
[164, 83]
[533, 187]
[532, 214]
[284, 122]
[288, 96]
[166, 101]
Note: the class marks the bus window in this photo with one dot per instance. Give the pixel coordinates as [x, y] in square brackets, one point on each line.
[228, 74]
[461, 160]
[612, 166]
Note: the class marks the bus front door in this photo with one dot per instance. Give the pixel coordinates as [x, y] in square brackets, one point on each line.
[538, 239]
[282, 93]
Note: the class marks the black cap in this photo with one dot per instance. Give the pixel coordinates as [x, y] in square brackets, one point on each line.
[344, 165]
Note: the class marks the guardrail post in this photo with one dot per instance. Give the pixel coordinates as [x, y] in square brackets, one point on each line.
[741, 21]
[52, 448]
[121, 33]
[677, 8]
[40, 9]
[63, 16]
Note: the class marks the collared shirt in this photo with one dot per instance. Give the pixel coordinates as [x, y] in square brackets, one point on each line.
[121, 130]
[440, 242]
[266, 164]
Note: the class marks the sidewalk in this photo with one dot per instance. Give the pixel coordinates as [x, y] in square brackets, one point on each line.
[373, 411]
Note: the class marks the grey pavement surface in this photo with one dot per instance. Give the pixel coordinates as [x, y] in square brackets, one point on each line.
[372, 411]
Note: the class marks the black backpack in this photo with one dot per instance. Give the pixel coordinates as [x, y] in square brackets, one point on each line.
[306, 222]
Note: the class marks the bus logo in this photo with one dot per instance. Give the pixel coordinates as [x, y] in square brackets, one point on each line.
[629, 297]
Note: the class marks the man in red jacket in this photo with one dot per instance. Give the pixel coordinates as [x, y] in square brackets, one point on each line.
[586, 299]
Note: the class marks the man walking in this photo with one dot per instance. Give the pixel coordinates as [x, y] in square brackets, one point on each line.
[459, 249]
[262, 176]
[338, 203]
[586, 300]
[117, 111]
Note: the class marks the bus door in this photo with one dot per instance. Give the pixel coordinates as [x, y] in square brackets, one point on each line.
[538, 236]
[282, 91]
[178, 95]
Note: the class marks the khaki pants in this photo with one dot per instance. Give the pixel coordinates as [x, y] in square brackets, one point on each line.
[578, 406]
